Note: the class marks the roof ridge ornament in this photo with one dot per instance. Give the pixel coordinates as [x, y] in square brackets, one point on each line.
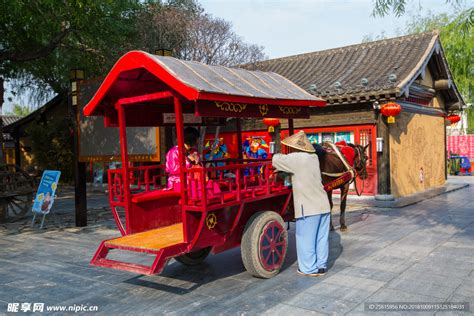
[392, 78]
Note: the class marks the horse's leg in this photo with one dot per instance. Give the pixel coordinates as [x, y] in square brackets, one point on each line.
[344, 192]
[330, 210]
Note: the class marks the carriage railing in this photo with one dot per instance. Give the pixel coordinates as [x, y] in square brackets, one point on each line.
[232, 182]
[141, 179]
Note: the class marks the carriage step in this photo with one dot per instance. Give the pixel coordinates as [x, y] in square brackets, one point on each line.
[124, 266]
[150, 241]
[164, 243]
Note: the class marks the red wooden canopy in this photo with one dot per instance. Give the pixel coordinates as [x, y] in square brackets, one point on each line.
[143, 79]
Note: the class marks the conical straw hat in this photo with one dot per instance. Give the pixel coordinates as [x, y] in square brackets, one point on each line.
[299, 141]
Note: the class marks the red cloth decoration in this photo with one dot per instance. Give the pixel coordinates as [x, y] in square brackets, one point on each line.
[347, 151]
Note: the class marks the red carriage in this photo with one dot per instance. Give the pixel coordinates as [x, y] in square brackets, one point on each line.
[250, 206]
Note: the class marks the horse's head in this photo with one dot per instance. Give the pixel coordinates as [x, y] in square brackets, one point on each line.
[360, 161]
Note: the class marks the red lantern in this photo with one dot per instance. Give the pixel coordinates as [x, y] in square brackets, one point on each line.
[454, 118]
[271, 123]
[391, 110]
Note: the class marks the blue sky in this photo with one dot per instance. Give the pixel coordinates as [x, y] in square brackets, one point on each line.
[289, 27]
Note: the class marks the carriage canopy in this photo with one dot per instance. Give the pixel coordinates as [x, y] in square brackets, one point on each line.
[143, 79]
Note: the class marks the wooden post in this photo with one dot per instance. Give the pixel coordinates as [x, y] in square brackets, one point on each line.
[291, 128]
[238, 127]
[445, 154]
[182, 165]
[80, 188]
[124, 154]
[277, 138]
[180, 138]
[17, 152]
[2, 91]
[383, 158]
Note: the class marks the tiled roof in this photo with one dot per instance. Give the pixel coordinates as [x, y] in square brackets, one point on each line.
[8, 119]
[140, 73]
[368, 69]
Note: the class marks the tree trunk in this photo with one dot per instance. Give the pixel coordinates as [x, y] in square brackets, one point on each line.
[2, 91]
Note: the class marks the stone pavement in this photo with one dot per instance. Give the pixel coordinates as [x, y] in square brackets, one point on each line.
[420, 253]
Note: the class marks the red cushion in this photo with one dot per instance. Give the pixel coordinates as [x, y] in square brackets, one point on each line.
[154, 195]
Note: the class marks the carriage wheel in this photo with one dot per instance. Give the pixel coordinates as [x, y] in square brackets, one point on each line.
[194, 258]
[18, 206]
[264, 244]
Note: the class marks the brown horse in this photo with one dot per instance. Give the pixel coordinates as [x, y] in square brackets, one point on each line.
[331, 163]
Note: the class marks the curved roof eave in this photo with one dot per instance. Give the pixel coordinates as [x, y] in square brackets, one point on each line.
[186, 88]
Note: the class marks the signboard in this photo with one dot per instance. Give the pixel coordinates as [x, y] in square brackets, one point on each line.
[188, 118]
[100, 143]
[46, 192]
[234, 109]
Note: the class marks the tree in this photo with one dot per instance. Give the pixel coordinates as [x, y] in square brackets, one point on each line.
[19, 110]
[194, 35]
[40, 41]
[52, 146]
[398, 7]
[459, 50]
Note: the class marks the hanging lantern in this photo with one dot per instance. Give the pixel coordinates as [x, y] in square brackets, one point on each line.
[454, 118]
[391, 110]
[271, 123]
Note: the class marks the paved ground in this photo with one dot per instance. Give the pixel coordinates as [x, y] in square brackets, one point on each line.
[421, 253]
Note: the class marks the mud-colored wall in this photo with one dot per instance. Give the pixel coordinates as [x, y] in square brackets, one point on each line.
[417, 160]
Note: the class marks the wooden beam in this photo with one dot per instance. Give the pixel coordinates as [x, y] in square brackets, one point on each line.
[442, 84]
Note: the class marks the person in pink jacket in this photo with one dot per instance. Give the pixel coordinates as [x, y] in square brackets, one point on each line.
[191, 136]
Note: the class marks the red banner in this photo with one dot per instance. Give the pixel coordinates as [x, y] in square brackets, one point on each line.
[462, 145]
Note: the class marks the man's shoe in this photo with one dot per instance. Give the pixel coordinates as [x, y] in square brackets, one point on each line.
[315, 274]
[321, 271]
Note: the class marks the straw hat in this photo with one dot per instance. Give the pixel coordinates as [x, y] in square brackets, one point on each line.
[299, 141]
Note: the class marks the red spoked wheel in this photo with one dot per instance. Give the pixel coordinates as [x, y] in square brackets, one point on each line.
[273, 246]
[264, 244]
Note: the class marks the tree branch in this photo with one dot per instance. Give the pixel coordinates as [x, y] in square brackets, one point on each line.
[36, 54]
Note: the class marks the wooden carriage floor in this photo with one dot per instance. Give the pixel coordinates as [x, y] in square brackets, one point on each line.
[154, 239]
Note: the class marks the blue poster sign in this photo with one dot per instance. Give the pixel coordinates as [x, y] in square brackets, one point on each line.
[46, 192]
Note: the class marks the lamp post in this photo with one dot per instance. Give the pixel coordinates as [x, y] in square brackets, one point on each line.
[80, 190]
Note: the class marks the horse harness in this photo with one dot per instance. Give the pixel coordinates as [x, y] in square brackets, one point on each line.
[342, 177]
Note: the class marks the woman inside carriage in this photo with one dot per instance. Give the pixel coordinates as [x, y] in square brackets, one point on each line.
[191, 137]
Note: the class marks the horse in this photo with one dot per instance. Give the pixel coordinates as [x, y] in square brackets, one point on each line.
[330, 163]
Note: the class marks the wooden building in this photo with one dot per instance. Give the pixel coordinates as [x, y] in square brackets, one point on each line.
[355, 80]
[8, 141]
[21, 149]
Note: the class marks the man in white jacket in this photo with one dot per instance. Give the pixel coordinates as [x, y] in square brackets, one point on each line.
[312, 210]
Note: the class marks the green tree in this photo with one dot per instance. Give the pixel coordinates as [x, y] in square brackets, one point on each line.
[20, 110]
[470, 119]
[398, 8]
[40, 41]
[52, 144]
[459, 50]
